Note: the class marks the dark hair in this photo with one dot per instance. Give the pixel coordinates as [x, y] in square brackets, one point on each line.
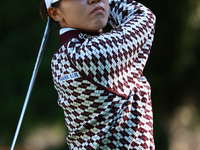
[43, 9]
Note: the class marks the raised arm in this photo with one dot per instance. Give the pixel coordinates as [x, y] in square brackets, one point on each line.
[112, 59]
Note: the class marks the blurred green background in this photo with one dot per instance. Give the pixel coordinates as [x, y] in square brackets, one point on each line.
[173, 70]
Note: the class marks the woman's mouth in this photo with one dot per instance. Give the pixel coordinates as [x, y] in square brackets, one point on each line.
[98, 9]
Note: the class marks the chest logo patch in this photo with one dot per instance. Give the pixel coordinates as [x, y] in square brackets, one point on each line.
[70, 76]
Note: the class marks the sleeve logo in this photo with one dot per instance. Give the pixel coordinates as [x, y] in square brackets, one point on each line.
[70, 76]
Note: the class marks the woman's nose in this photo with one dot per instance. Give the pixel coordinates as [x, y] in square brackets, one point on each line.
[93, 1]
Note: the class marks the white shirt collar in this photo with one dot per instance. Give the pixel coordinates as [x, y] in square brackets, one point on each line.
[63, 30]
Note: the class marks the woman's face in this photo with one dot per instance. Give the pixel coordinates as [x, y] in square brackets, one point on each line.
[90, 15]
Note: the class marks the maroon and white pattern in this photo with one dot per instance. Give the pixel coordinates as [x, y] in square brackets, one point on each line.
[100, 82]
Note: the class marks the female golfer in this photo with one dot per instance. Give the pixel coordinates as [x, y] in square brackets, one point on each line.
[99, 76]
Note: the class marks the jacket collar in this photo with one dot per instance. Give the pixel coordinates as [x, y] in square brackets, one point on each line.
[79, 34]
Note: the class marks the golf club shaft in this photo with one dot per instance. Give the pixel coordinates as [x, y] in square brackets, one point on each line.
[37, 64]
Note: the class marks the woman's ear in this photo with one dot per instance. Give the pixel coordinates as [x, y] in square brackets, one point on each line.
[54, 13]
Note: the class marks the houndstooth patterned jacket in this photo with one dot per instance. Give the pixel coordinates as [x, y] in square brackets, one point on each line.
[100, 82]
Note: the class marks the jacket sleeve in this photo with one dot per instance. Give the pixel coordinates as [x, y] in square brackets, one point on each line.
[116, 59]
